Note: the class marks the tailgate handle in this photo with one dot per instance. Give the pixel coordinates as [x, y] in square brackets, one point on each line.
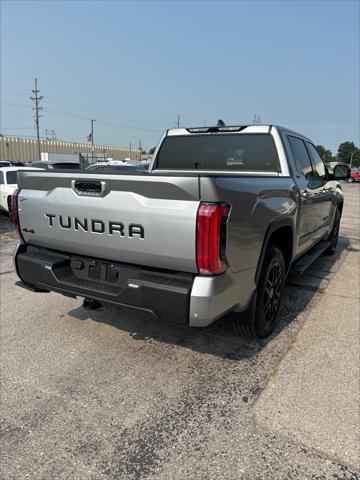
[90, 188]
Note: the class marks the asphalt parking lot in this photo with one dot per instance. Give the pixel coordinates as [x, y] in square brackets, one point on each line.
[117, 394]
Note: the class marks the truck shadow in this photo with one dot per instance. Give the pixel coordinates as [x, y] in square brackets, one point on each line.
[219, 339]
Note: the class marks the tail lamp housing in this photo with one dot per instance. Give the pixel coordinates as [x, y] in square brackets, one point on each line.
[15, 214]
[211, 237]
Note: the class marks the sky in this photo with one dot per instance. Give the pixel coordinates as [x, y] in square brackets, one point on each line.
[135, 66]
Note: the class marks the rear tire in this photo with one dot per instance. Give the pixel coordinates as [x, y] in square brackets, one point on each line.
[264, 310]
[334, 235]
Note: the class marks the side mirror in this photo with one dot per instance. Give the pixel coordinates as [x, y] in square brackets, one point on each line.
[341, 172]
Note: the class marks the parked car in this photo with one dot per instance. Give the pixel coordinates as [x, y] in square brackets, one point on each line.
[45, 165]
[354, 176]
[5, 163]
[8, 184]
[214, 227]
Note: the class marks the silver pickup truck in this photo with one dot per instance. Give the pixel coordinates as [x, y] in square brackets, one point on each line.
[213, 226]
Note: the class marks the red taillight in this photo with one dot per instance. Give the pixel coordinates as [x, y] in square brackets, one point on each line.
[15, 213]
[211, 237]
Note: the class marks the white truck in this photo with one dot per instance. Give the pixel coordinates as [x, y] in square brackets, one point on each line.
[8, 185]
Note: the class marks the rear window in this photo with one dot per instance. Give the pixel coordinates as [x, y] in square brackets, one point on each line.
[66, 166]
[246, 152]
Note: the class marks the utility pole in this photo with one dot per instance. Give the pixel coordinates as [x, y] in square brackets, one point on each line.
[178, 121]
[130, 145]
[140, 147]
[37, 99]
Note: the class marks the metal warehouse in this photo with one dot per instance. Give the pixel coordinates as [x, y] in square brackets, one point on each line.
[26, 149]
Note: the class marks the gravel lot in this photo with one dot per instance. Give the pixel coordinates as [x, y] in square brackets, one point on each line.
[117, 394]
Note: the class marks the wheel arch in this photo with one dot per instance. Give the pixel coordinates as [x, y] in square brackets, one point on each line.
[280, 233]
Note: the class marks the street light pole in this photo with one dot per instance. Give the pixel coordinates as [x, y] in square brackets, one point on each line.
[351, 159]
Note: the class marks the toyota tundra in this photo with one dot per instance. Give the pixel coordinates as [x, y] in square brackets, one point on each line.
[214, 226]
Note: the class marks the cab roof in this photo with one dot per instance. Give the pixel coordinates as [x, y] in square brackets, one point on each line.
[248, 128]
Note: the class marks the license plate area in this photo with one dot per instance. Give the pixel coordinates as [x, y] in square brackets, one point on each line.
[102, 271]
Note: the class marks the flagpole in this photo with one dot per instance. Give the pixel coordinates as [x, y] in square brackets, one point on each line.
[92, 139]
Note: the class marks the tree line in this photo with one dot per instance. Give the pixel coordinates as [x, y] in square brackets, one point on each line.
[347, 153]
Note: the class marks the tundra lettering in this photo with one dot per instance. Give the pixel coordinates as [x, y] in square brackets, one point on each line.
[100, 228]
[83, 225]
[50, 217]
[96, 226]
[116, 227]
[136, 230]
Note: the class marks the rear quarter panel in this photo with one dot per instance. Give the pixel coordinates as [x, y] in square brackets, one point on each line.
[256, 202]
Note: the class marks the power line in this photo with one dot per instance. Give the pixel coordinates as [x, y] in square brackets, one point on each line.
[55, 111]
[37, 99]
[72, 104]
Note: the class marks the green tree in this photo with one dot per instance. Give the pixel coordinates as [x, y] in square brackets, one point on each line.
[325, 154]
[152, 150]
[348, 150]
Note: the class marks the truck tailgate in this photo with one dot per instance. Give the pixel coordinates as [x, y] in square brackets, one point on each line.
[146, 220]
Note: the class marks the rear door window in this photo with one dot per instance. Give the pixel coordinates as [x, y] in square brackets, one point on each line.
[317, 161]
[242, 152]
[301, 156]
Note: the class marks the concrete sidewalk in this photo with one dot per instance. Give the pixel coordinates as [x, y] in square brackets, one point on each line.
[313, 396]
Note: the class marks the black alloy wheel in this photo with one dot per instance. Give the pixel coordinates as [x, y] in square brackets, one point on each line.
[272, 295]
[270, 292]
[260, 319]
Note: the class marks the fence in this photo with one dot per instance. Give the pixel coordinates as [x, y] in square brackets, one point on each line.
[25, 150]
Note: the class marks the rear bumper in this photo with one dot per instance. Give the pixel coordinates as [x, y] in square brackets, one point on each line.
[175, 296]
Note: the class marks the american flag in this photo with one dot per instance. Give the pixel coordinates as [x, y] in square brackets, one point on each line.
[89, 137]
